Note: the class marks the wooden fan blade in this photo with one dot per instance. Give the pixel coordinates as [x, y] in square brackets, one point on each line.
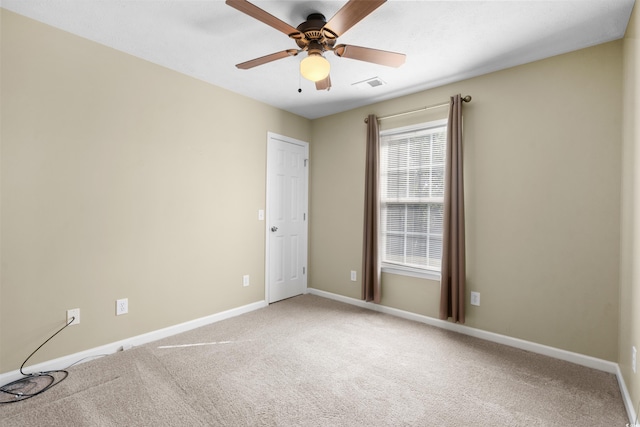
[255, 12]
[267, 58]
[382, 57]
[350, 14]
[324, 84]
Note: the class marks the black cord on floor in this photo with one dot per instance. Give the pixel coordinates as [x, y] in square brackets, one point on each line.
[35, 383]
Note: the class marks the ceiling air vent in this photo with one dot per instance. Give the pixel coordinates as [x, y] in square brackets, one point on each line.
[373, 82]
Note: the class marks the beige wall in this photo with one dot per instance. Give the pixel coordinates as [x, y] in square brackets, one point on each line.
[542, 165]
[122, 179]
[630, 240]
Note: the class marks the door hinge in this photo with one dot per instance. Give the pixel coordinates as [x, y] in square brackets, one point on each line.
[305, 162]
[304, 270]
[304, 216]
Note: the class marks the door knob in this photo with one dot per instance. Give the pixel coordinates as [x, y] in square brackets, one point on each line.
[274, 228]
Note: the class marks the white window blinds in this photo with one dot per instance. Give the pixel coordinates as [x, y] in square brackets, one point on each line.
[411, 195]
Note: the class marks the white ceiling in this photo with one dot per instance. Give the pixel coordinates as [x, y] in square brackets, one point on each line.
[445, 41]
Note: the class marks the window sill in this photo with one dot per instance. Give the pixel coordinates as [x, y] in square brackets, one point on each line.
[421, 274]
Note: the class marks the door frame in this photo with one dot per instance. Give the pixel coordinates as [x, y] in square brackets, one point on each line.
[274, 136]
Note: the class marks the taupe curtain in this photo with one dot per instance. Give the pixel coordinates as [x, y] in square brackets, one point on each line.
[370, 256]
[453, 270]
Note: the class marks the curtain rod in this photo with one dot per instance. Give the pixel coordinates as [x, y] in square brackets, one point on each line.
[445, 104]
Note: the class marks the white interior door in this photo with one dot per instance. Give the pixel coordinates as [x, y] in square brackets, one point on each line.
[287, 200]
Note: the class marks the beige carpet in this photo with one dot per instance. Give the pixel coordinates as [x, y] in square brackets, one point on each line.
[309, 361]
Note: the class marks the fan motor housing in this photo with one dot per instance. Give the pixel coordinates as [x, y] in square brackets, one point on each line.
[314, 31]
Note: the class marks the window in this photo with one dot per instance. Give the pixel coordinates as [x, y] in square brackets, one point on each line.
[412, 198]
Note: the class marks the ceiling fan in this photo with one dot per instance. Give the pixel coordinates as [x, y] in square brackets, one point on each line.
[317, 35]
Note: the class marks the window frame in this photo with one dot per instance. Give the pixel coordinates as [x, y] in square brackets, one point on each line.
[426, 272]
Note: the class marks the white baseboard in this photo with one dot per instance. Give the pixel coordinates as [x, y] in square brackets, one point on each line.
[65, 361]
[626, 398]
[577, 358]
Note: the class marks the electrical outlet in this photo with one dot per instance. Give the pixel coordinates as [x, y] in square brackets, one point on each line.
[353, 276]
[73, 313]
[475, 298]
[245, 280]
[122, 306]
[634, 358]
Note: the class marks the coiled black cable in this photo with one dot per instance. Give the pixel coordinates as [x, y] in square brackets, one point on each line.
[35, 383]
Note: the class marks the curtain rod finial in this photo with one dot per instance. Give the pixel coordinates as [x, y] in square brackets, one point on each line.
[467, 98]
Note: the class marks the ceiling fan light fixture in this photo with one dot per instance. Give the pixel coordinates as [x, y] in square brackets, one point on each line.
[315, 67]
[316, 35]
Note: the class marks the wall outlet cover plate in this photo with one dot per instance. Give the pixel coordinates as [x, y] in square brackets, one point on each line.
[122, 306]
[74, 312]
[475, 298]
